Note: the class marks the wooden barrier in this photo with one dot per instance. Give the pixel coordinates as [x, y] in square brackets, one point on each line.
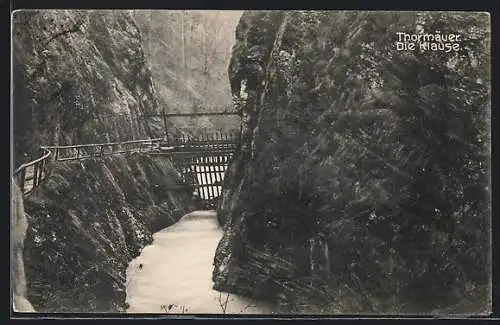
[201, 159]
[94, 150]
[28, 176]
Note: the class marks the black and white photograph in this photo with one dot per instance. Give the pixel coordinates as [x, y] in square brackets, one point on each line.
[250, 162]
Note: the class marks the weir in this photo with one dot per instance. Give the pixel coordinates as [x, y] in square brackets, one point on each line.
[202, 162]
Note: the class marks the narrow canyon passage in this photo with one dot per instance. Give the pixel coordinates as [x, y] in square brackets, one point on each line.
[174, 274]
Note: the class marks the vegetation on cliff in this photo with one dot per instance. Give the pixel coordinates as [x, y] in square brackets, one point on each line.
[189, 51]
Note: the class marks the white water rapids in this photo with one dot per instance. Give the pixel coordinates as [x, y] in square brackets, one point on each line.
[174, 274]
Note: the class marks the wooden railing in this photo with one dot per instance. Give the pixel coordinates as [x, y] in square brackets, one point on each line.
[28, 176]
[83, 151]
[207, 142]
[213, 149]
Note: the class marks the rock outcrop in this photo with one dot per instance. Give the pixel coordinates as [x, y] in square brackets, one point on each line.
[87, 220]
[362, 184]
[79, 77]
[82, 77]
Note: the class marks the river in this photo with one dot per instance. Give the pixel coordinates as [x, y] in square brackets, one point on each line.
[174, 273]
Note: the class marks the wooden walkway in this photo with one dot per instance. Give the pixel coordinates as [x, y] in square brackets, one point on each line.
[202, 160]
[28, 176]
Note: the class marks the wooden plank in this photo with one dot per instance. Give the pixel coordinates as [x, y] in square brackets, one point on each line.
[99, 144]
[232, 147]
[190, 153]
[203, 177]
[218, 178]
[209, 167]
[207, 175]
[189, 114]
[221, 174]
[200, 141]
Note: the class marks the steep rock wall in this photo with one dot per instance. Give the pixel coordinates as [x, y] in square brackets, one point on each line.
[19, 225]
[87, 220]
[362, 185]
[79, 77]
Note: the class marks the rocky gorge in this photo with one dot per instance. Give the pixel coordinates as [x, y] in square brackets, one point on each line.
[88, 220]
[81, 76]
[362, 184]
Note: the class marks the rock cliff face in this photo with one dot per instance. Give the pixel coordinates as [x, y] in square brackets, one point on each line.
[87, 221]
[362, 185]
[79, 77]
[19, 225]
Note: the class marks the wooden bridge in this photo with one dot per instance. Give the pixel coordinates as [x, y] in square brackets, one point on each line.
[202, 160]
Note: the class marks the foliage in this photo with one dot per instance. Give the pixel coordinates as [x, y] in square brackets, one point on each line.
[189, 54]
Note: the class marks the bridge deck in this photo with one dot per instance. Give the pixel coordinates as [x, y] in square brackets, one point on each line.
[202, 161]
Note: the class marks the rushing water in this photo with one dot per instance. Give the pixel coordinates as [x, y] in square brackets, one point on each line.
[174, 274]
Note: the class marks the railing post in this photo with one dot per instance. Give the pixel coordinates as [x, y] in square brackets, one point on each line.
[40, 178]
[40, 174]
[43, 173]
[78, 153]
[21, 181]
[102, 150]
[35, 175]
[45, 168]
